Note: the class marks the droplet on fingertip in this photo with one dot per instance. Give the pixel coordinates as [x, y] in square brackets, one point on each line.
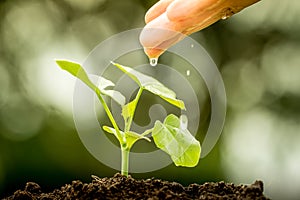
[228, 12]
[153, 62]
[225, 17]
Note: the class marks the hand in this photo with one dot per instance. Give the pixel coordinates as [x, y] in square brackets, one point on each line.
[168, 21]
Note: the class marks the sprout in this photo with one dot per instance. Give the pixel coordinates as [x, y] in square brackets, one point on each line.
[172, 135]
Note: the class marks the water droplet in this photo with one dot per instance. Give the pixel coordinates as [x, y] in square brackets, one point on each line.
[153, 61]
[226, 13]
[225, 17]
[183, 122]
[192, 45]
[188, 72]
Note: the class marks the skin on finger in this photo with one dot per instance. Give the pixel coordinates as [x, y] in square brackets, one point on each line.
[161, 48]
[156, 32]
[157, 9]
[181, 10]
[203, 13]
[196, 7]
[203, 20]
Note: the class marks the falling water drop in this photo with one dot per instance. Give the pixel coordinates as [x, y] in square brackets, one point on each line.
[153, 61]
[192, 45]
[188, 72]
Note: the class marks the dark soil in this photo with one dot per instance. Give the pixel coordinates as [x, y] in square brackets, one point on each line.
[120, 187]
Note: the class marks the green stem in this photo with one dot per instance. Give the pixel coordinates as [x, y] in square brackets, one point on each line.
[125, 150]
[125, 160]
[111, 118]
[147, 132]
[136, 100]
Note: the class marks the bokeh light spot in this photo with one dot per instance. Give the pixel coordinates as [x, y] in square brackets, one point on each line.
[5, 85]
[281, 70]
[244, 84]
[21, 120]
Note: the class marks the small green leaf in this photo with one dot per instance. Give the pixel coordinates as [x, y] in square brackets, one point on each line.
[128, 111]
[112, 130]
[179, 143]
[77, 70]
[131, 137]
[152, 85]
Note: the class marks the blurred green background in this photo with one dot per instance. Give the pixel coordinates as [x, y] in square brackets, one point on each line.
[257, 52]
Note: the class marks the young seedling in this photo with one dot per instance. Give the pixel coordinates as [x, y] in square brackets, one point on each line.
[171, 135]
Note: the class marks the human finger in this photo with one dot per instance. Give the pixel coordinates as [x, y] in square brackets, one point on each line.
[181, 10]
[188, 17]
[158, 35]
[203, 10]
[164, 31]
[155, 52]
[157, 9]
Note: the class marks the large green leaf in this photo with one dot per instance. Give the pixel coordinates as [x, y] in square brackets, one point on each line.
[131, 137]
[77, 70]
[173, 137]
[152, 85]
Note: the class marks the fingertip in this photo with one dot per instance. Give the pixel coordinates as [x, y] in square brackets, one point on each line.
[153, 52]
[146, 38]
[157, 31]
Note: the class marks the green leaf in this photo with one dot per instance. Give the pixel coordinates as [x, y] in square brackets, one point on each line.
[115, 95]
[112, 131]
[152, 85]
[175, 139]
[104, 83]
[131, 137]
[77, 70]
[128, 111]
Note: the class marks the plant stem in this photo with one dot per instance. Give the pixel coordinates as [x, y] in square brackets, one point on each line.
[125, 160]
[124, 149]
[119, 136]
[136, 100]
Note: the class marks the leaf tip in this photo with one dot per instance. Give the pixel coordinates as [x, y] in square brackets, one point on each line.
[182, 105]
[117, 65]
[59, 62]
[66, 64]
